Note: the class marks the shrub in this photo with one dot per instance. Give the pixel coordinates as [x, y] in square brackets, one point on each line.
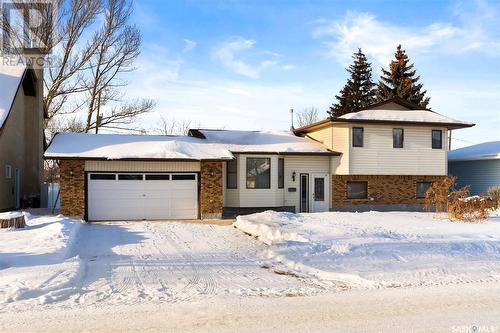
[457, 202]
[494, 193]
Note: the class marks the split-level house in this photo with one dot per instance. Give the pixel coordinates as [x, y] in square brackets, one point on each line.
[383, 157]
[21, 135]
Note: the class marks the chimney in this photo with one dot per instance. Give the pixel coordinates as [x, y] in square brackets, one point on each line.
[291, 121]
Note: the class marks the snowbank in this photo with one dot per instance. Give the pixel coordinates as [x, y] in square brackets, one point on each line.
[24, 254]
[376, 249]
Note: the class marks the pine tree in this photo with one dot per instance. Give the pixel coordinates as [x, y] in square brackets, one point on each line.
[401, 80]
[359, 90]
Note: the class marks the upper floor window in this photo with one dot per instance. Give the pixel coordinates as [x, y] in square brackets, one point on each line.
[258, 172]
[232, 174]
[437, 139]
[397, 137]
[357, 136]
[281, 173]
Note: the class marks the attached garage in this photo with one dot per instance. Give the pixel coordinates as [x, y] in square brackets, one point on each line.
[142, 196]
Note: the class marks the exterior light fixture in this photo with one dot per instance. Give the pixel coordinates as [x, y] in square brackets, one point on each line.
[293, 175]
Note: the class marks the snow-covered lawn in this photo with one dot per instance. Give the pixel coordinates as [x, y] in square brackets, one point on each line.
[375, 249]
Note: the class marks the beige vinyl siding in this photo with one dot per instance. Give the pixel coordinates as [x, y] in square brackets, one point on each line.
[335, 138]
[378, 157]
[272, 197]
[302, 164]
[323, 135]
[141, 166]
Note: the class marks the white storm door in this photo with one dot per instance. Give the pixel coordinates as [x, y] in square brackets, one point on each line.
[320, 193]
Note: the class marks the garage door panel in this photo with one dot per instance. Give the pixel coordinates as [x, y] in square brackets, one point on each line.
[152, 197]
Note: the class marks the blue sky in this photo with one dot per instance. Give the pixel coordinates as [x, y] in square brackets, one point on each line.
[244, 64]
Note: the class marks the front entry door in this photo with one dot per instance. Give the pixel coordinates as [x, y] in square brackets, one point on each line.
[320, 193]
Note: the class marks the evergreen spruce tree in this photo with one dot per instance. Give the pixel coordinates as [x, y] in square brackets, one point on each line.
[401, 80]
[359, 90]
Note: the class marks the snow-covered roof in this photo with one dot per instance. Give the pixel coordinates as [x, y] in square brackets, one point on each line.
[483, 151]
[10, 79]
[119, 146]
[263, 141]
[413, 116]
[211, 145]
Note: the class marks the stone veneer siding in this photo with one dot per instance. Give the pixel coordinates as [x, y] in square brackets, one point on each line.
[72, 188]
[211, 199]
[385, 190]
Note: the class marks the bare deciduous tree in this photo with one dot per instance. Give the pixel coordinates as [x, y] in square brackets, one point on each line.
[92, 46]
[174, 126]
[307, 116]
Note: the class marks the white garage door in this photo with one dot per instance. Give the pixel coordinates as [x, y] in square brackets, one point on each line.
[137, 196]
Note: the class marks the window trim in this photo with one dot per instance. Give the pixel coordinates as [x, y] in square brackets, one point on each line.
[402, 138]
[281, 170]
[440, 139]
[362, 136]
[246, 174]
[416, 188]
[356, 181]
[227, 174]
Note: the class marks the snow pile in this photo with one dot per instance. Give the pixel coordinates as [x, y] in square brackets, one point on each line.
[376, 249]
[26, 253]
[421, 116]
[10, 79]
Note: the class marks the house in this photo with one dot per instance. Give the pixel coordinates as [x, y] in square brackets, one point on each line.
[477, 166]
[115, 177]
[21, 135]
[390, 154]
[383, 157]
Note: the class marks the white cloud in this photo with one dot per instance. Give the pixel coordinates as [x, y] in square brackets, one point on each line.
[240, 56]
[189, 45]
[379, 39]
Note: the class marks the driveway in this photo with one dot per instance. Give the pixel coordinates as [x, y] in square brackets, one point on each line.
[131, 262]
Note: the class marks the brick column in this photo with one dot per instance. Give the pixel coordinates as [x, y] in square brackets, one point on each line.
[72, 188]
[211, 199]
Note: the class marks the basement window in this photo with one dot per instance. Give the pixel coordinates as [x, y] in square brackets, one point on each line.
[357, 190]
[422, 188]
